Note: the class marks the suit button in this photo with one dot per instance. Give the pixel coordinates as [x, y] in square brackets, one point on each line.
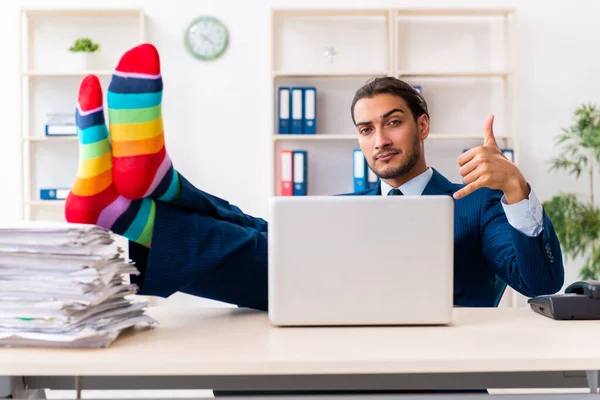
[549, 253]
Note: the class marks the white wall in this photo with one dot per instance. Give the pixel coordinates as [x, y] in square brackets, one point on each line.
[215, 113]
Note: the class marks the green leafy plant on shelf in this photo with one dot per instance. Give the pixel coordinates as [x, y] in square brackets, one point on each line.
[575, 216]
[85, 45]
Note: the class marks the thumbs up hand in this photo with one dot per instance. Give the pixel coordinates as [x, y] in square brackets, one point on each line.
[486, 166]
[488, 132]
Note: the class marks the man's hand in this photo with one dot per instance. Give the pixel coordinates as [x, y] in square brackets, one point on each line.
[486, 166]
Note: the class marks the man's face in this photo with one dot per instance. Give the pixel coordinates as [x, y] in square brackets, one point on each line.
[388, 135]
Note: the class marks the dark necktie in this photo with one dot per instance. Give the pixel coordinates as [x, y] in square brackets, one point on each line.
[395, 192]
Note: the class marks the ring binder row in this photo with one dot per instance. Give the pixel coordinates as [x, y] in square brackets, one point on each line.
[293, 173]
[297, 114]
[364, 177]
[297, 110]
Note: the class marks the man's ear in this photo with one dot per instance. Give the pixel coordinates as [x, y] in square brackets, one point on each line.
[423, 125]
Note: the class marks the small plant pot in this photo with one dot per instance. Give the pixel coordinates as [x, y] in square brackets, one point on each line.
[84, 61]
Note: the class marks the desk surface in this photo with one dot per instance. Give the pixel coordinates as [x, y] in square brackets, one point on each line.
[226, 341]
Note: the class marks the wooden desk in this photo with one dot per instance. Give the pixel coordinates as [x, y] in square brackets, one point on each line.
[237, 348]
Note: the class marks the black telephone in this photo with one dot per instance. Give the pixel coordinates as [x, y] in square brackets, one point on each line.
[580, 301]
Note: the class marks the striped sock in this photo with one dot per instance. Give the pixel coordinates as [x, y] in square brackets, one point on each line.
[94, 199]
[142, 167]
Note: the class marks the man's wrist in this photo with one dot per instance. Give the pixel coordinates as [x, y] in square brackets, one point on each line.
[517, 190]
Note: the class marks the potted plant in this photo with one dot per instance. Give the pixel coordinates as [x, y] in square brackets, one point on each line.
[83, 50]
[576, 217]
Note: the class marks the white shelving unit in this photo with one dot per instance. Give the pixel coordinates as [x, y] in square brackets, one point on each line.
[386, 42]
[49, 84]
[464, 60]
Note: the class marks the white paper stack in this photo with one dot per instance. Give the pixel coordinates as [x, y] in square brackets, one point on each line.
[62, 285]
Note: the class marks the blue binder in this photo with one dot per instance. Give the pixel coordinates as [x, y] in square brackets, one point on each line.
[509, 153]
[285, 108]
[300, 172]
[371, 178]
[54, 193]
[310, 110]
[360, 170]
[297, 110]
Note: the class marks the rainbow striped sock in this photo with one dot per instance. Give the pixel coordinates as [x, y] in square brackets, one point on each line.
[142, 167]
[94, 199]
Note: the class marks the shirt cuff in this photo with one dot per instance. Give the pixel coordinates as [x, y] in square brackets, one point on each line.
[526, 216]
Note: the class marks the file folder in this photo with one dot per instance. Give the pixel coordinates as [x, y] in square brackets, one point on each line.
[299, 168]
[310, 110]
[287, 169]
[297, 110]
[509, 153]
[54, 193]
[371, 178]
[360, 170]
[284, 110]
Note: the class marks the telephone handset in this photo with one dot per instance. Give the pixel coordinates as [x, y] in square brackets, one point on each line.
[580, 301]
[588, 288]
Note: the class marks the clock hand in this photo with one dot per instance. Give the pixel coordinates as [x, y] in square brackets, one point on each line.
[207, 39]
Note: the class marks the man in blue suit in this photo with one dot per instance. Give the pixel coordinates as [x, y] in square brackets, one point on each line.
[204, 246]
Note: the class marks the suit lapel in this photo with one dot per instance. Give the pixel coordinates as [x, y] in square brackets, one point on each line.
[437, 185]
[376, 191]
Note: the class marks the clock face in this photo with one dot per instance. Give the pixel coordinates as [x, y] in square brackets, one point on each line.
[206, 38]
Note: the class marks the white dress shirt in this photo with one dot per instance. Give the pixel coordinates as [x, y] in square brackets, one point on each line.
[525, 216]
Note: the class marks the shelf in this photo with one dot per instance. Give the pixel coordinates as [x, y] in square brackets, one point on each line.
[50, 139]
[82, 12]
[399, 74]
[356, 12]
[46, 203]
[286, 137]
[459, 136]
[457, 74]
[59, 74]
[477, 12]
[432, 136]
[283, 74]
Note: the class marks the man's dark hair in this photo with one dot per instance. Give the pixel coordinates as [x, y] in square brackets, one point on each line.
[396, 87]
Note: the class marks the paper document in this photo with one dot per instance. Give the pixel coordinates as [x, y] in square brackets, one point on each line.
[62, 285]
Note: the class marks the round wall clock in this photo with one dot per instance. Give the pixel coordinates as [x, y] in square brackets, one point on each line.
[206, 38]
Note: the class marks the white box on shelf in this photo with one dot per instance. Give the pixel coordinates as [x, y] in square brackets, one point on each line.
[61, 130]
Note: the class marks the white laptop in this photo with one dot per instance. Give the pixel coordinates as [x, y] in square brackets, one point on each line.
[361, 260]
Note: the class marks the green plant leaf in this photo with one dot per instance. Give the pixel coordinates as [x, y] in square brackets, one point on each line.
[84, 45]
[575, 219]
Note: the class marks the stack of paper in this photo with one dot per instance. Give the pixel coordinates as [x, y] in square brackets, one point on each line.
[62, 285]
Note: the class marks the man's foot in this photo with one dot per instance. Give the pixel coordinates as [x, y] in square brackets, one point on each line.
[94, 198]
[142, 167]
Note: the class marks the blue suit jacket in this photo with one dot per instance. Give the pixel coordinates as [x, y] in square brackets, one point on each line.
[204, 246]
